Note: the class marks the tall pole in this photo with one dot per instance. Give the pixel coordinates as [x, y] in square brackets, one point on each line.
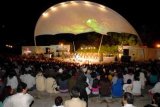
[100, 44]
[73, 46]
[35, 44]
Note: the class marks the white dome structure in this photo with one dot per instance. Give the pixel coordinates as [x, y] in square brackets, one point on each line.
[79, 17]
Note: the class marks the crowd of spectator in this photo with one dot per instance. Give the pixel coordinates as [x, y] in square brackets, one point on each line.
[54, 76]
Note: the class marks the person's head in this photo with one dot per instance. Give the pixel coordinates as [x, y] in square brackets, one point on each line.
[11, 73]
[58, 101]
[75, 92]
[129, 81]
[7, 91]
[128, 98]
[156, 99]
[22, 87]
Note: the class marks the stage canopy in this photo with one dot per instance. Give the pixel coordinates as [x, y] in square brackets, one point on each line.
[79, 17]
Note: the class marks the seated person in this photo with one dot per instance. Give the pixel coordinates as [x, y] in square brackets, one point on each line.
[75, 101]
[155, 89]
[21, 98]
[128, 86]
[128, 100]
[155, 101]
[58, 102]
[105, 87]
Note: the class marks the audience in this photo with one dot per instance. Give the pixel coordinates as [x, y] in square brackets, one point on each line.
[155, 101]
[82, 84]
[136, 91]
[75, 101]
[105, 86]
[128, 86]
[40, 81]
[155, 89]
[6, 92]
[127, 100]
[29, 79]
[21, 98]
[12, 80]
[117, 85]
[58, 102]
[132, 81]
[51, 85]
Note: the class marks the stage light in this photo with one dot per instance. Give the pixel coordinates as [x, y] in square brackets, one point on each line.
[158, 45]
[101, 7]
[87, 3]
[63, 4]
[61, 44]
[74, 2]
[53, 8]
[45, 14]
[9, 46]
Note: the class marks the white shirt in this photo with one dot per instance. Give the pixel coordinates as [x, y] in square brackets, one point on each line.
[57, 106]
[128, 105]
[127, 76]
[29, 80]
[156, 88]
[127, 88]
[22, 77]
[50, 85]
[136, 88]
[75, 102]
[19, 100]
[142, 78]
[40, 82]
[13, 82]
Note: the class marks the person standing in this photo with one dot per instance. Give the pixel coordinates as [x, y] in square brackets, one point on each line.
[75, 101]
[21, 98]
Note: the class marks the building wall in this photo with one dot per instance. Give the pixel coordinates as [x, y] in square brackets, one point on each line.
[143, 53]
[53, 49]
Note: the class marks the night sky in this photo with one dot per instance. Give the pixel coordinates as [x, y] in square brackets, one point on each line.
[19, 18]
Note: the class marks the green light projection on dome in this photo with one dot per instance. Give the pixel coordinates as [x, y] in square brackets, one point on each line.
[92, 23]
[76, 29]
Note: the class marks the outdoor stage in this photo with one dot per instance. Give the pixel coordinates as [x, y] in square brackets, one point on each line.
[86, 60]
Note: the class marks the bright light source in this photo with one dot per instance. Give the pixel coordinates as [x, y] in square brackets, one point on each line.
[74, 2]
[63, 4]
[87, 3]
[101, 7]
[9, 46]
[158, 45]
[45, 14]
[89, 21]
[61, 44]
[53, 8]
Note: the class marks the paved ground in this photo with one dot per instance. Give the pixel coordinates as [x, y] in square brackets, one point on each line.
[43, 99]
